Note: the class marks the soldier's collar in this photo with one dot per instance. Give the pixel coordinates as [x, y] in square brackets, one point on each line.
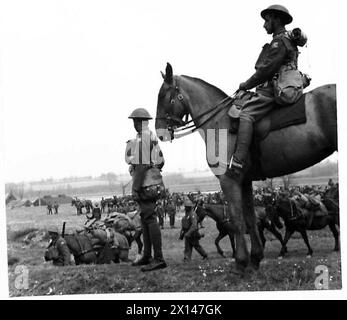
[279, 32]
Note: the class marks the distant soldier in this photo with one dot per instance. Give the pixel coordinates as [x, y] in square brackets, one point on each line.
[171, 210]
[56, 207]
[103, 204]
[190, 232]
[62, 255]
[96, 212]
[49, 208]
[160, 212]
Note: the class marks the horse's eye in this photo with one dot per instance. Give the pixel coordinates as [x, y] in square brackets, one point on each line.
[180, 97]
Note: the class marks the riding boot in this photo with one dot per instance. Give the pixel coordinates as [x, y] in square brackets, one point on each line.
[155, 235]
[244, 138]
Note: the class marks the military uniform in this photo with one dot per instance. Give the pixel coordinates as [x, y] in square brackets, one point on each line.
[191, 233]
[64, 255]
[142, 154]
[160, 212]
[278, 56]
[96, 212]
[171, 210]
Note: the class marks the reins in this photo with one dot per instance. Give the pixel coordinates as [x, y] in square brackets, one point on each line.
[212, 112]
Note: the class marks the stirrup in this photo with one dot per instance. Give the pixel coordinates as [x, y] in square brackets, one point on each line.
[235, 164]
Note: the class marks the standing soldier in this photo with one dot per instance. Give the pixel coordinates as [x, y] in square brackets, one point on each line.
[190, 232]
[142, 154]
[102, 203]
[278, 61]
[56, 206]
[160, 213]
[96, 212]
[49, 208]
[171, 210]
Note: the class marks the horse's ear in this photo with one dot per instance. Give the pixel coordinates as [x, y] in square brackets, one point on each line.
[168, 73]
[162, 74]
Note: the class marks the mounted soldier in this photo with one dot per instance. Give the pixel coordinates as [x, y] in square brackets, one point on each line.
[145, 158]
[276, 79]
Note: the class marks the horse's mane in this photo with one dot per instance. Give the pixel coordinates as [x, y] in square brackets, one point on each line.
[206, 84]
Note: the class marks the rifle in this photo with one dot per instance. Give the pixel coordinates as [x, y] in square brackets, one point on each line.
[63, 230]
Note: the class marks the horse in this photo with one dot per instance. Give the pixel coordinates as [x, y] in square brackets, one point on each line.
[128, 224]
[80, 204]
[219, 214]
[296, 220]
[281, 152]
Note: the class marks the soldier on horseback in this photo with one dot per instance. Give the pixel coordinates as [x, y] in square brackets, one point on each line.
[276, 79]
[142, 154]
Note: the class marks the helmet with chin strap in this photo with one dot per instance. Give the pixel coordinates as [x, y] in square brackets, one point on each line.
[280, 11]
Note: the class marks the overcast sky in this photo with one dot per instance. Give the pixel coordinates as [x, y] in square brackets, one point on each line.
[72, 72]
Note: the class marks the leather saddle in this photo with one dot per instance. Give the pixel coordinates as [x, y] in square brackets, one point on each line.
[280, 117]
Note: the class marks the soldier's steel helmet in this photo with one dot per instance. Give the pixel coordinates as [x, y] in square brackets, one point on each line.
[281, 10]
[188, 203]
[53, 229]
[140, 113]
[96, 204]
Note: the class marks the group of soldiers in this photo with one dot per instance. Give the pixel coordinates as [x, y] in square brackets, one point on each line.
[143, 153]
[51, 206]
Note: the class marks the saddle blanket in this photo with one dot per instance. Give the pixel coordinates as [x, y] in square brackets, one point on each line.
[280, 117]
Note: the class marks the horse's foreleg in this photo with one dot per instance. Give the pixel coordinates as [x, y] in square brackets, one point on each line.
[221, 235]
[304, 236]
[257, 247]
[336, 235]
[233, 195]
[139, 243]
[232, 242]
[278, 235]
[285, 241]
[261, 234]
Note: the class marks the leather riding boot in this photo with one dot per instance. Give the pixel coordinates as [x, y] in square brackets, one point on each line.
[244, 138]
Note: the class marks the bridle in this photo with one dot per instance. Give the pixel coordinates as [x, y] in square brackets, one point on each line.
[175, 124]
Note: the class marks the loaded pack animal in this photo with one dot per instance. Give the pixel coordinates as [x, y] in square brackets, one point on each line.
[218, 212]
[128, 224]
[80, 204]
[279, 148]
[295, 219]
[96, 246]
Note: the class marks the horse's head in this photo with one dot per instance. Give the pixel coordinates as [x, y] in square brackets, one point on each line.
[172, 106]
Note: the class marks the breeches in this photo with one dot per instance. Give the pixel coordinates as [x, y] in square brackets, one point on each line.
[258, 106]
[189, 244]
[151, 230]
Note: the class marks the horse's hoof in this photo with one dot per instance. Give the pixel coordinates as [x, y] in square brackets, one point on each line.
[238, 272]
[308, 256]
[280, 257]
[233, 259]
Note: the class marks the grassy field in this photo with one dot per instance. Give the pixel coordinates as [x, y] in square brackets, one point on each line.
[295, 272]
